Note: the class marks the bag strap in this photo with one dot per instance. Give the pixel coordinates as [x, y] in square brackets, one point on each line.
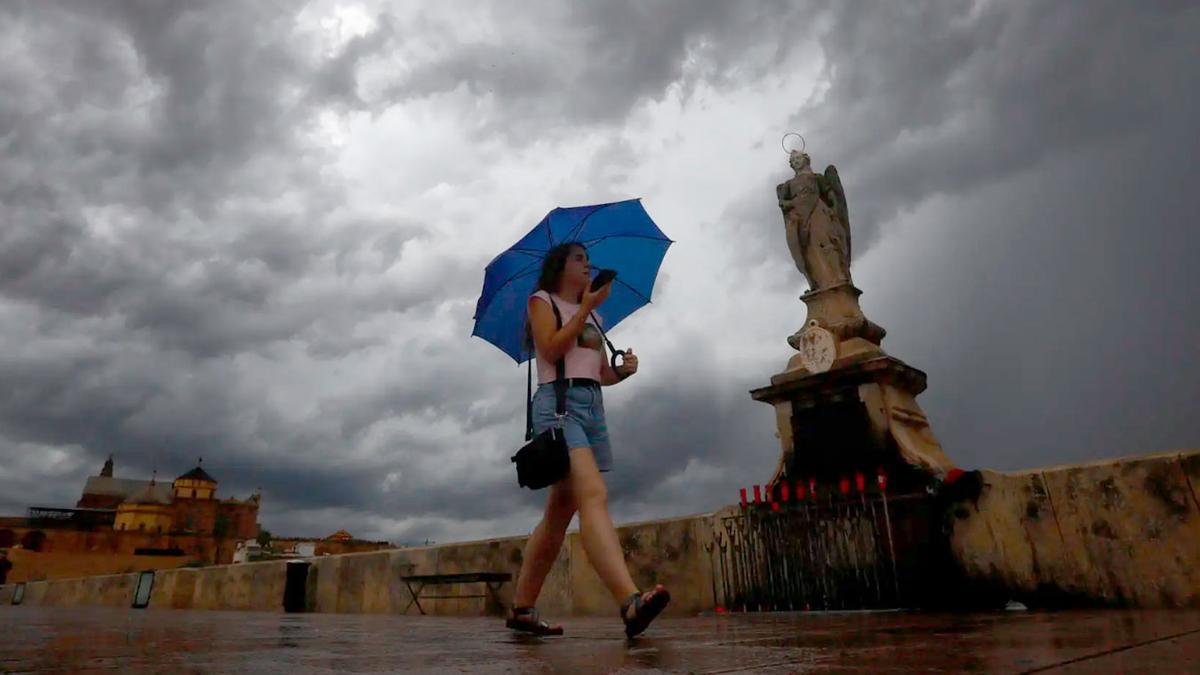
[529, 400]
[560, 382]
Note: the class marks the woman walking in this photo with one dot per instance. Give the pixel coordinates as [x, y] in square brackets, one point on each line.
[564, 286]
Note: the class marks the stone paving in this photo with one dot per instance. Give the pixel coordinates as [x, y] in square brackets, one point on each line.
[35, 639]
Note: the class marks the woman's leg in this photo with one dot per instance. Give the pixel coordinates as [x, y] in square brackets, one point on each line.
[600, 540]
[542, 548]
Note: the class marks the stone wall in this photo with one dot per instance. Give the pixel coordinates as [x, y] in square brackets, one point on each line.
[36, 566]
[1121, 532]
[241, 517]
[669, 551]
[117, 542]
[114, 590]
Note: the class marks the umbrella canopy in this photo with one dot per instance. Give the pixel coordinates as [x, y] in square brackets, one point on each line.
[618, 236]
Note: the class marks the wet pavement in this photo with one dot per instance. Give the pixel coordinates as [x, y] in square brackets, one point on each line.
[35, 639]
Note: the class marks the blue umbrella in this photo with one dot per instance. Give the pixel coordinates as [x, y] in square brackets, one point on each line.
[618, 236]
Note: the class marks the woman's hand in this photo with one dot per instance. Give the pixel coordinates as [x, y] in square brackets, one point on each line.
[591, 300]
[629, 365]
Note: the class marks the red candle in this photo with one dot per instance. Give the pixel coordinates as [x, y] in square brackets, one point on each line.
[743, 491]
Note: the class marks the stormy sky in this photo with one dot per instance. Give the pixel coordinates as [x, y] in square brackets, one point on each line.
[255, 233]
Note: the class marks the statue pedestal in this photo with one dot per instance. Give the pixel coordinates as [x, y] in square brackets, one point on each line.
[836, 310]
[856, 417]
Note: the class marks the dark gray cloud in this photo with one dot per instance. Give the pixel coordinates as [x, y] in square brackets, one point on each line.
[586, 64]
[165, 214]
[186, 269]
[1056, 329]
[935, 98]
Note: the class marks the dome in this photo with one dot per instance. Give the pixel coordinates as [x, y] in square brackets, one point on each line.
[147, 495]
[197, 474]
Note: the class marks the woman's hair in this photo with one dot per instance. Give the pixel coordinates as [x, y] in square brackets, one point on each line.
[553, 265]
[552, 269]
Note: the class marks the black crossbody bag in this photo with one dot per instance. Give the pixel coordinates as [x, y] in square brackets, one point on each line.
[544, 459]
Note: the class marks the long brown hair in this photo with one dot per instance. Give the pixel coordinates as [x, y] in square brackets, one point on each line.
[553, 265]
[551, 277]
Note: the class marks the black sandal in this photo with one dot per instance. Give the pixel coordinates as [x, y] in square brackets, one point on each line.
[643, 611]
[525, 620]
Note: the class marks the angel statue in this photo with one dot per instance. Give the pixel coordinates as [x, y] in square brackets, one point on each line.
[816, 222]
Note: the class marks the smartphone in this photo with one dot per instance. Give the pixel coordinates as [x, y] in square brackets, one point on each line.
[602, 278]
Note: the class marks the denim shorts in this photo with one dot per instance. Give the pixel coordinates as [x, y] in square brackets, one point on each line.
[584, 425]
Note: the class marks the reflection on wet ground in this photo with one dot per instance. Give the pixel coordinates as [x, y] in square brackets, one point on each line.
[34, 639]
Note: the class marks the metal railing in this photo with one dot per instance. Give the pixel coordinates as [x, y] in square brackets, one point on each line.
[806, 548]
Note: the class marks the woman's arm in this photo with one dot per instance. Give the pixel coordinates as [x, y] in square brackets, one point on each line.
[607, 374]
[554, 344]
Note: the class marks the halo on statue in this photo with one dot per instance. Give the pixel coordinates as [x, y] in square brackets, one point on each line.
[784, 143]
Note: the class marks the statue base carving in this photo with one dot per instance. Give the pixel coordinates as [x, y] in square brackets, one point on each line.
[836, 310]
[857, 417]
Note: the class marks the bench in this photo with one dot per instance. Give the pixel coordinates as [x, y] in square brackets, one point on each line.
[490, 580]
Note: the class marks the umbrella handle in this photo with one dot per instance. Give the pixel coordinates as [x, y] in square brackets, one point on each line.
[615, 354]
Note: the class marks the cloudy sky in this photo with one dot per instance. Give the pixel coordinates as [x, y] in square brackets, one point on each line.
[255, 232]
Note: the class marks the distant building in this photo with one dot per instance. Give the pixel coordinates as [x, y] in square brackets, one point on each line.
[120, 515]
[247, 551]
[145, 511]
[105, 492]
[338, 542]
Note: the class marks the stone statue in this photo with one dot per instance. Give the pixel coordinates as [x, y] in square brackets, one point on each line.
[817, 225]
[816, 222]
[842, 405]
